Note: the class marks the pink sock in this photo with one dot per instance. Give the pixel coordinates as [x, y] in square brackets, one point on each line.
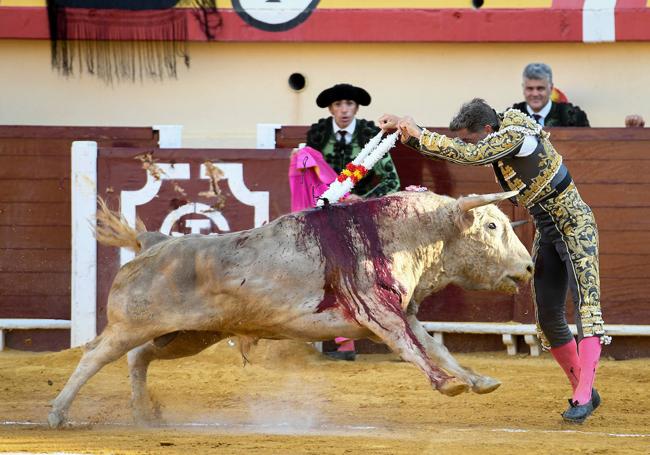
[567, 357]
[589, 353]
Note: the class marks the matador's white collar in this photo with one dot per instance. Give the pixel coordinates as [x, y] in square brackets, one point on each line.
[535, 130]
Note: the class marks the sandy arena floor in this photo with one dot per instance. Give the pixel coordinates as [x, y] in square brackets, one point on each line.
[292, 400]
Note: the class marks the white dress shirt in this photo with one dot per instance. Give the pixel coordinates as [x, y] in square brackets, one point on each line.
[543, 112]
[349, 130]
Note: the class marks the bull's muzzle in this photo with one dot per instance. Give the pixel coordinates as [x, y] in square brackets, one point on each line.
[511, 282]
[525, 275]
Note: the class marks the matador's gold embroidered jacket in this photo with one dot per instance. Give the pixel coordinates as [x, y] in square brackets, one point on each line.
[534, 175]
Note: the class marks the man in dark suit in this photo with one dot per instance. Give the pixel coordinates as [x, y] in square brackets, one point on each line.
[538, 85]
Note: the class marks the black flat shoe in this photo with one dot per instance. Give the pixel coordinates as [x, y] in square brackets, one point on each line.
[577, 413]
[342, 355]
[595, 398]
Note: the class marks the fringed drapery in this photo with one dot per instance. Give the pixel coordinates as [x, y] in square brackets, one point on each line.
[118, 44]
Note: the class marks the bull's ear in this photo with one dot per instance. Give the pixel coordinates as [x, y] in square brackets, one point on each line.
[463, 219]
[466, 203]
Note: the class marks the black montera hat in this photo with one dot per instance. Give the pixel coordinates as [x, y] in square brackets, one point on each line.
[343, 92]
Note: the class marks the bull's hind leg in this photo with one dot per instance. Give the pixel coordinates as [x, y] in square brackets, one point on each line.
[390, 324]
[439, 354]
[170, 346]
[114, 342]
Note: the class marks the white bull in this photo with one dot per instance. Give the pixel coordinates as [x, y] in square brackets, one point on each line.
[354, 270]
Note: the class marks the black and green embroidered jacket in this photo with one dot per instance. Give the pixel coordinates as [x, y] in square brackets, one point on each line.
[380, 180]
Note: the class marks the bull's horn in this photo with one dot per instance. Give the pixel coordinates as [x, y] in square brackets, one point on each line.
[516, 224]
[466, 203]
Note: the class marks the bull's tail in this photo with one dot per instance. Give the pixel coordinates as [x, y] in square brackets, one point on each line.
[113, 230]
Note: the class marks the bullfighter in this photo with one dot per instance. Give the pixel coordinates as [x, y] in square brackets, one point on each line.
[565, 250]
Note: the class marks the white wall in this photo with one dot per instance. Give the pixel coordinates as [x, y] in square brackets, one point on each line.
[232, 87]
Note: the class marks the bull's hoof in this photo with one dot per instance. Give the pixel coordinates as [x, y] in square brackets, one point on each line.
[147, 413]
[55, 419]
[452, 387]
[485, 384]
[147, 421]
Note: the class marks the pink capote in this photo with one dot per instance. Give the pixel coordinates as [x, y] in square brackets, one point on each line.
[309, 177]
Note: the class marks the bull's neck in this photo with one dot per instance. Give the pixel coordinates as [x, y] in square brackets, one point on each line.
[437, 268]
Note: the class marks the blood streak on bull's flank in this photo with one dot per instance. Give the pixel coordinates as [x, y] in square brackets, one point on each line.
[334, 228]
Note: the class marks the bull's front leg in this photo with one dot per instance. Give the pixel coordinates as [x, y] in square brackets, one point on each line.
[439, 354]
[389, 323]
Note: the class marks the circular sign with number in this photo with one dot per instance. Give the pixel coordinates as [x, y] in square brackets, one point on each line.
[274, 15]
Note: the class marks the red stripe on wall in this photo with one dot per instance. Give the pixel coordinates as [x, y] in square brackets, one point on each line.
[561, 23]
[535, 25]
[18, 22]
[632, 22]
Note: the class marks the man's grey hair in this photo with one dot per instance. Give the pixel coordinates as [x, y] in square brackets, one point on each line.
[538, 71]
[474, 115]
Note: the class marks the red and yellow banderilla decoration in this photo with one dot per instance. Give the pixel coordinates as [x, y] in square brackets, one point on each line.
[372, 152]
[353, 172]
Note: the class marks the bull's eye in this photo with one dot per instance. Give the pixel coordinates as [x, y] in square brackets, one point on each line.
[492, 226]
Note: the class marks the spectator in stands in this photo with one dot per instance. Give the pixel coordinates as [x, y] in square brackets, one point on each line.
[565, 249]
[341, 136]
[538, 91]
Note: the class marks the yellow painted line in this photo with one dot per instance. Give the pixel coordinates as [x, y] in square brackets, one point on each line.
[375, 4]
[22, 3]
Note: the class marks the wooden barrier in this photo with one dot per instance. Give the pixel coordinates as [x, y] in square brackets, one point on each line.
[610, 166]
[35, 223]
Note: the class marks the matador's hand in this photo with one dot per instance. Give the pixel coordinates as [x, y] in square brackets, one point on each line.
[409, 128]
[388, 122]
